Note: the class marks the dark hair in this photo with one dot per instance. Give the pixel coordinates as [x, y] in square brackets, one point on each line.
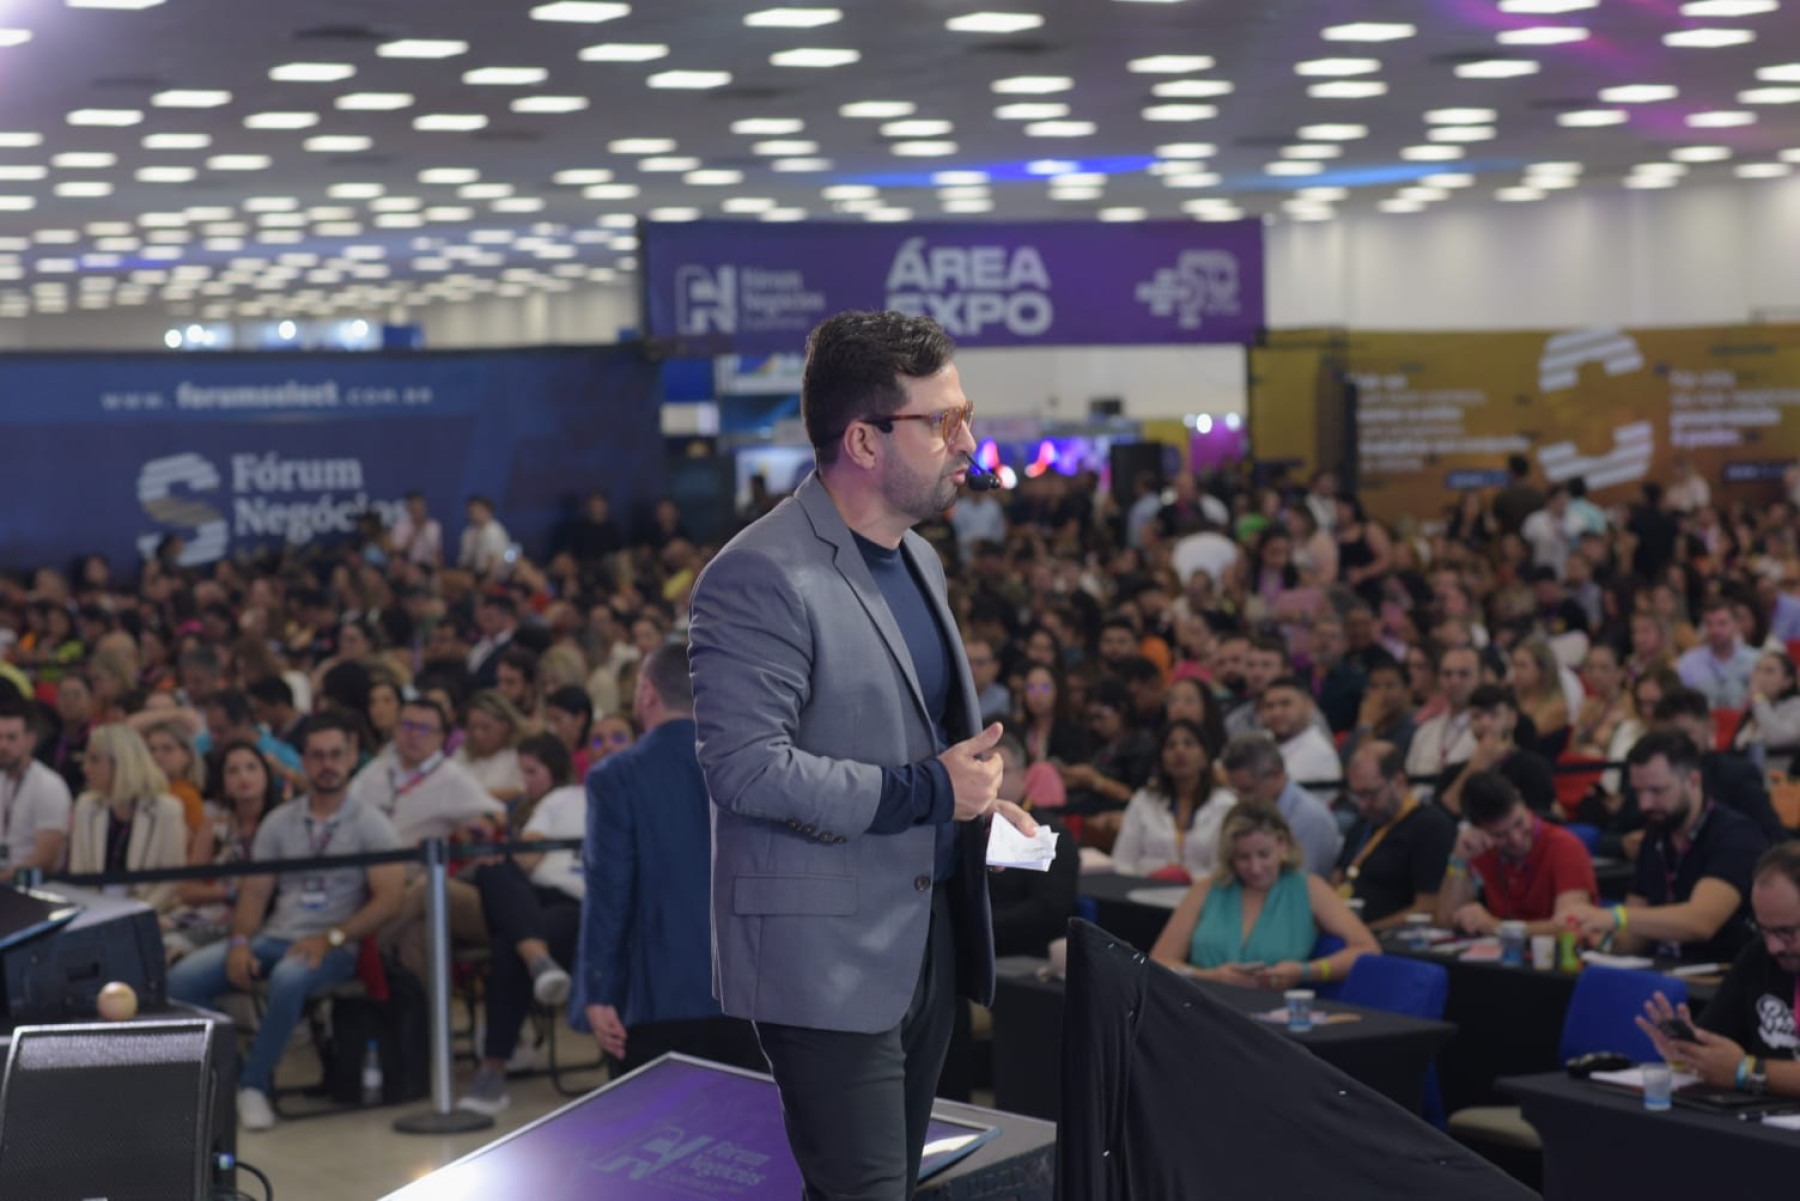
[1159, 775]
[1518, 465]
[322, 723]
[666, 670]
[1292, 683]
[203, 658]
[477, 498]
[571, 698]
[1488, 796]
[1118, 621]
[234, 705]
[437, 710]
[271, 690]
[523, 661]
[1135, 669]
[272, 787]
[1682, 702]
[1577, 488]
[549, 750]
[854, 365]
[1111, 694]
[1212, 721]
[1254, 753]
[1489, 697]
[1390, 760]
[1270, 644]
[1782, 859]
[1717, 603]
[1383, 661]
[1673, 746]
[347, 685]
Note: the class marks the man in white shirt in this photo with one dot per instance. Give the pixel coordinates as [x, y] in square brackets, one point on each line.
[484, 541]
[421, 790]
[34, 801]
[977, 517]
[1547, 532]
[497, 617]
[1446, 739]
[1287, 709]
[416, 536]
[1720, 666]
[1208, 551]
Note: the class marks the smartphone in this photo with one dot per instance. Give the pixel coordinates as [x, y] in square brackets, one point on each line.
[1678, 1029]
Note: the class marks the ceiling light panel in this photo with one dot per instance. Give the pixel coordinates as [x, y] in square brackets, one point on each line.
[311, 72]
[878, 109]
[793, 18]
[1328, 67]
[450, 122]
[1708, 39]
[586, 12]
[338, 144]
[549, 104]
[1192, 89]
[1497, 68]
[374, 102]
[1347, 89]
[1030, 111]
[1369, 31]
[690, 80]
[1032, 85]
[767, 127]
[281, 120]
[1180, 112]
[505, 76]
[1542, 35]
[422, 48]
[1170, 64]
[994, 22]
[624, 52]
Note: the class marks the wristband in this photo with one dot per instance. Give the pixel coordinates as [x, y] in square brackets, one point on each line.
[1619, 918]
[1743, 1072]
[1322, 968]
[1456, 869]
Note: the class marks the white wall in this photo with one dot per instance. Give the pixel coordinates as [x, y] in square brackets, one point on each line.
[1057, 383]
[1685, 256]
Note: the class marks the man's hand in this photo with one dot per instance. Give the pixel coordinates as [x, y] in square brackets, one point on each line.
[241, 968]
[309, 950]
[1474, 918]
[1712, 1057]
[1595, 923]
[608, 1029]
[975, 773]
[1471, 844]
[1022, 821]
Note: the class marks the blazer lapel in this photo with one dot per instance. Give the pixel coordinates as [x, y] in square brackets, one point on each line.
[830, 527]
[963, 704]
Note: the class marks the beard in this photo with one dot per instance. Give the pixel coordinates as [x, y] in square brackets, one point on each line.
[915, 494]
[1660, 823]
[1234, 682]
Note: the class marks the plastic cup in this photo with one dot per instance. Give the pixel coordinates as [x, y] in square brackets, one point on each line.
[1543, 951]
[1512, 944]
[1659, 1084]
[1300, 1009]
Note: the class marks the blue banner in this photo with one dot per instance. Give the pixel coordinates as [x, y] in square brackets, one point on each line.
[108, 454]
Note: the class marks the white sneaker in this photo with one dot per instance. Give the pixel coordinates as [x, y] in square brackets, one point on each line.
[254, 1110]
[528, 1057]
[486, 1095]
[550, 986]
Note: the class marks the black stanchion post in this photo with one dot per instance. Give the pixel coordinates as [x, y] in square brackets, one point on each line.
[443, 1117]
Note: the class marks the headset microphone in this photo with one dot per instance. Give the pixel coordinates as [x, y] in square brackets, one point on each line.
[980, 479]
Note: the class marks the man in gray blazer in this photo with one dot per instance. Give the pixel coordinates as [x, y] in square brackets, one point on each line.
[838, 733]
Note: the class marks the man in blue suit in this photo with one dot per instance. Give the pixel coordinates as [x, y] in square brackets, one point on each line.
[851, 781]
[645, 965]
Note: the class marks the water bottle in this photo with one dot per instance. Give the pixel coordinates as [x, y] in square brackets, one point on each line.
[371, 1075]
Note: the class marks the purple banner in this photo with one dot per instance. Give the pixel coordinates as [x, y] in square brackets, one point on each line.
[760, 288]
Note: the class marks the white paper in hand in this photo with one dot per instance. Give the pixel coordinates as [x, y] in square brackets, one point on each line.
[1009, 848]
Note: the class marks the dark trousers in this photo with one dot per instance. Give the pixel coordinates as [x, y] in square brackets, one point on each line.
[515, 910]
[856, 1105]
[730, 1041]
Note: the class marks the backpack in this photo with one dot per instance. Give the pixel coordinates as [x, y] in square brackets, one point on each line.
[399, 1027]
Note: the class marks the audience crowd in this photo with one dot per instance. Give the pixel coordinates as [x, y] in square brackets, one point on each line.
[1325, 724]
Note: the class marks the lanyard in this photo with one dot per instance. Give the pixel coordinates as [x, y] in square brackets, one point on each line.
[1374, 840]
[1515, 875]
[419, 775]
[319, 844]
[1672, 859]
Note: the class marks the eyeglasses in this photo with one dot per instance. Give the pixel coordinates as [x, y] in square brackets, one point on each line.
[418, 727]
[950, 423]
[1788, 935]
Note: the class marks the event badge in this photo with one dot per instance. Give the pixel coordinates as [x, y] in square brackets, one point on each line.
[312, 893]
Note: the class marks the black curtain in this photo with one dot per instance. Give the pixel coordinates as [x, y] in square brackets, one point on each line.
[1170, 1096]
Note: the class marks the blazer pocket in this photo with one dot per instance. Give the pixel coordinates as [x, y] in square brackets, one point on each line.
[825, 896]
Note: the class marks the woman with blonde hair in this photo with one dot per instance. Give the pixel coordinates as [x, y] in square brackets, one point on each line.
[1537, 682]
[1255, 920]
[171, 744]
[126, 820]
[562, 666]
[493, 729]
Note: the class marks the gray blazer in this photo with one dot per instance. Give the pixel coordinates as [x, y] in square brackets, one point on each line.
[803, 690]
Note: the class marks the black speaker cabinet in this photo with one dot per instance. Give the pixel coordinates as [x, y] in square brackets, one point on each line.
[123, 1111]
[1130, 459]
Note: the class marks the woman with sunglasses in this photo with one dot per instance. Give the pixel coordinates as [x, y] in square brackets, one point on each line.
[1043, 720]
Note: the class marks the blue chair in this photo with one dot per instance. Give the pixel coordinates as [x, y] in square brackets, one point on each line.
[1409, 986]
[1605, 1002]
[1589, 835]
[1088, 910]
[1600, 1018]
[1328, 944]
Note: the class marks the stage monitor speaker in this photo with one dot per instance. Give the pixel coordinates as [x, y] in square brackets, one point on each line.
[56, 976]
[1128, 460]
[122, 1111]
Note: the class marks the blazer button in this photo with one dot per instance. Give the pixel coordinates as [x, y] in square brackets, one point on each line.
[923, 883]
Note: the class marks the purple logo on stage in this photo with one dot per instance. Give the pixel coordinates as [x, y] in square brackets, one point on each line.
[759, 289]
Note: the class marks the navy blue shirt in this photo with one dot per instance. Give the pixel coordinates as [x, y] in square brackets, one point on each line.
[917, 794]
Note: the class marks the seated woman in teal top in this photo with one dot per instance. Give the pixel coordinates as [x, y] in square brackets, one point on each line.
[1255, 921]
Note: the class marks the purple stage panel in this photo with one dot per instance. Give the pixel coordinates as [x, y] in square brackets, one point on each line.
[677, 1128]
